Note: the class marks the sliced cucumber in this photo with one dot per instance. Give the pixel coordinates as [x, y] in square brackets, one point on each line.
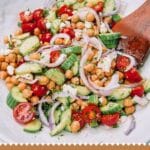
[82, 90]
[64, 100]
[33, 127]
[69, 62]
[56, 76]
[93, 99]
[109, 6]
[111, 108]
[27, 68]
[15, 97]
[119, 94]
[73, 49]
[22, 36]
[94, 124]
[65, 119]
[75, 68]
[116, 18]
[147, 86]
[55, 26]
[29, 45]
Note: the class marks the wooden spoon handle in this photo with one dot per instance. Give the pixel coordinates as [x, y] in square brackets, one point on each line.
[136, 27]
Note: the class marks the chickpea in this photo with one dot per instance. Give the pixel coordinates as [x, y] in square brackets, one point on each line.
[90, 57]
[12, 58]
[18, 32]
[66, 42]
[94, 77]
[113, 64]
[68, 74]
[99, 73]
[19, 58]
[121, 75]
[128, 102]
[9, 86]
[27, 93]
[22, 86]
[14, 80]
[58, 87]
[80, 1]
[59, 41]
[108, 20]
[43, 80]
[81, 82]
[80, 25]
[75, 106]
[64, 17]
[35, 56]
[89, 4]
[104, 49]
[75, 126]
[3, 75]
[130, 110]
[108, 74]
[83, 105]
[45, 43]
[7, 60]
[2, 58]
[16, 50]
[13, 64]
[6, 39]
[73, 25]
[89, 67]
[75, 80]
[51, 85]
[90, 32]
[4, 66]
[34, 99]
[37, 31]
[8, 80]
[90, 17]
[103, 100]
[79, 102]
[75, 18]
[99, 83]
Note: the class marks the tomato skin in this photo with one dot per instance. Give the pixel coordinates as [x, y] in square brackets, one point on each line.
[91, 108]
[46, 37]
[28, 27]
[122, 62]
[38, 90]
[77, 116]
[139, 91]
[110, 120]
[133, 76]
[65, 10]
[99, 7]
[41, 24]
[23, 113]
[37, 14]
[26, 18]
[69, 31]
[54, 56]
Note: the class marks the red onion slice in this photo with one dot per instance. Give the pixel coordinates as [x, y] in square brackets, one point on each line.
[51, 116]
[140, 100]
[132, 61]
[60, 35]
[131, 126]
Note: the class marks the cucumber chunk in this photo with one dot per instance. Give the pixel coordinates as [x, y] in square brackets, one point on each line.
[69, 62]
[22, 36]
[109, 6]
[15, 97]
[82, 90]
[111, 108]
[33, 127]
[56, 76]
[27, 68]
[73, 49]
[119, 94]
[29, 45]
[93, 99]
[116, 18]
[65, 119]
[147, 86]
[64, 100]
[94, 124]
[75, 68]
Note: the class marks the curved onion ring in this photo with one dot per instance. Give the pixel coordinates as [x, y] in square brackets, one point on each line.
[117, 5]
[60, 35]
[140, 100]
[51, 116]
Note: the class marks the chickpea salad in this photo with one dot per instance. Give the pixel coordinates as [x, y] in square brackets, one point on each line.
[64, 69]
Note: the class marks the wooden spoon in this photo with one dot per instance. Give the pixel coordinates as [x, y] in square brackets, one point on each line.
[136, 27]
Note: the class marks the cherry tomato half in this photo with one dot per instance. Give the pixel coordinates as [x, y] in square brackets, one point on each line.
[25, 18]
[122, 62]
[91, 112]
[133, 76]
[23, 113]
[41, 24]
[54, 56]
[65, 10]
[139, 91]
[110, 120]
[28, 27]
[69, 31]
[46, 37]
[99, 7]
[39, 90]
[38, 14]
[77, 116]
